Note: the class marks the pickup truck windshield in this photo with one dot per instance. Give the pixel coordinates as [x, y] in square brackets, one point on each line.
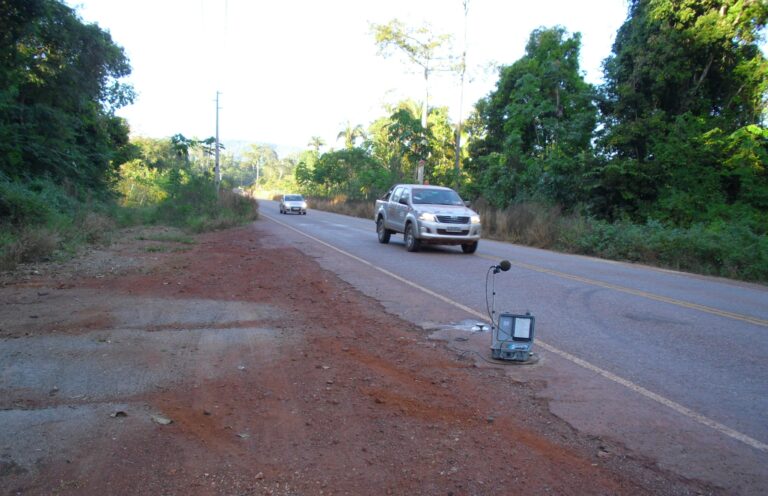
[425, 196]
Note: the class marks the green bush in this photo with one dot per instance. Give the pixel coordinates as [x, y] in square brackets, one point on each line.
[181, 198]
[39, 218]
[35, 203]
[721, 249]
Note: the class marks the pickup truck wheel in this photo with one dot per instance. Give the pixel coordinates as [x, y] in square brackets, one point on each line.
[411, 242]
[383, 232]
[469, 247]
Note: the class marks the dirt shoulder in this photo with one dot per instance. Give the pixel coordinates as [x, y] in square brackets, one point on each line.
[165, 367]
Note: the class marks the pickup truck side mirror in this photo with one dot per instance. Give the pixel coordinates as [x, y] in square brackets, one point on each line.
[467, 203]
[403, 201]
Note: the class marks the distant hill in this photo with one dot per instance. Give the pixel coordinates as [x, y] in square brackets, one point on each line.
[238, 147]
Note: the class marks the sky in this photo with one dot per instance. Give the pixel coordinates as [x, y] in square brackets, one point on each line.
[288, 70]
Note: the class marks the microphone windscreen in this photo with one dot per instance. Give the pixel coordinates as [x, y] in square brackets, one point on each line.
[505, 265]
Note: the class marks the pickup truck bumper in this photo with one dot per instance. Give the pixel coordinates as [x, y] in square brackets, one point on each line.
[437, 233]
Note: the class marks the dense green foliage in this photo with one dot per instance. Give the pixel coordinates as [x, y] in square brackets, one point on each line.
[41, 218]
[59, 88]
[536, 127]
[390, 152]
[721, 249]
[165, 184]
[351, 172]
[683, 107]
[59, 137]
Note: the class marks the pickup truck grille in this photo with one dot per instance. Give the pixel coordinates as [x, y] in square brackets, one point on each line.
[449, 219]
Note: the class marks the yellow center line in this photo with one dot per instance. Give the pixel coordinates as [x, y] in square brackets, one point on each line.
[637, 292]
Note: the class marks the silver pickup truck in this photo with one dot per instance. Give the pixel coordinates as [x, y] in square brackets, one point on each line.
[427, 215]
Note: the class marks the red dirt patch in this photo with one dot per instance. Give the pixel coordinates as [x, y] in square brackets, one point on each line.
[315, 407]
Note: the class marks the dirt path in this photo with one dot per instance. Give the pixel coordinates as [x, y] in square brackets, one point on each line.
[268, 389]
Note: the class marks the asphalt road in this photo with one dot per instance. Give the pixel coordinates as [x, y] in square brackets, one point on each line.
[671, 365]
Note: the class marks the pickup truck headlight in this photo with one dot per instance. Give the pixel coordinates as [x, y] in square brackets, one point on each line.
[475, 219]
[427, 217]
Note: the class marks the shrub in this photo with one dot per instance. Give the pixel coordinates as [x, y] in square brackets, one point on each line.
[533, 224]
[28, 245]
[721, 249]
[19, 205]
[95, 228]
[37, 244]
[340, 204]
[179, 197]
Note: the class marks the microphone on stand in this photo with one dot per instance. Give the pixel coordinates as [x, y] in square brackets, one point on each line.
[503, 266]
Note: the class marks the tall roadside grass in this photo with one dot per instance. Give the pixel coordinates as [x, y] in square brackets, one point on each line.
[343, 205]
[719, 248]
[528, 224]
[41, 220]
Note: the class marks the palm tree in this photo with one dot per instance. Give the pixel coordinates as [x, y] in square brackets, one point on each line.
[315, 143]
[350, 134]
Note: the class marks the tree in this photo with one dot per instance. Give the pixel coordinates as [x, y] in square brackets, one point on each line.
[316, 142]
[399, 141]
[160, 154]
[258, 158]
[441, 150]
[351, 172]
[683, 76]
[61, 86]
[420, 46]
[303, 173]
[536, 125]
[350, 134]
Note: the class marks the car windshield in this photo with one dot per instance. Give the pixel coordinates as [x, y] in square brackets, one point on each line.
[294, 198]
[430, 196]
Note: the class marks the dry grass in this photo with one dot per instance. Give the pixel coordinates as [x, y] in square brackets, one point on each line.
[31, 245]
[530, 224]
[340, 205]
[241, 205]
[97, 228]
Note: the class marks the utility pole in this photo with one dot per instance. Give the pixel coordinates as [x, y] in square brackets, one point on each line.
[457, 167]
[424, 111]
[217, 169]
